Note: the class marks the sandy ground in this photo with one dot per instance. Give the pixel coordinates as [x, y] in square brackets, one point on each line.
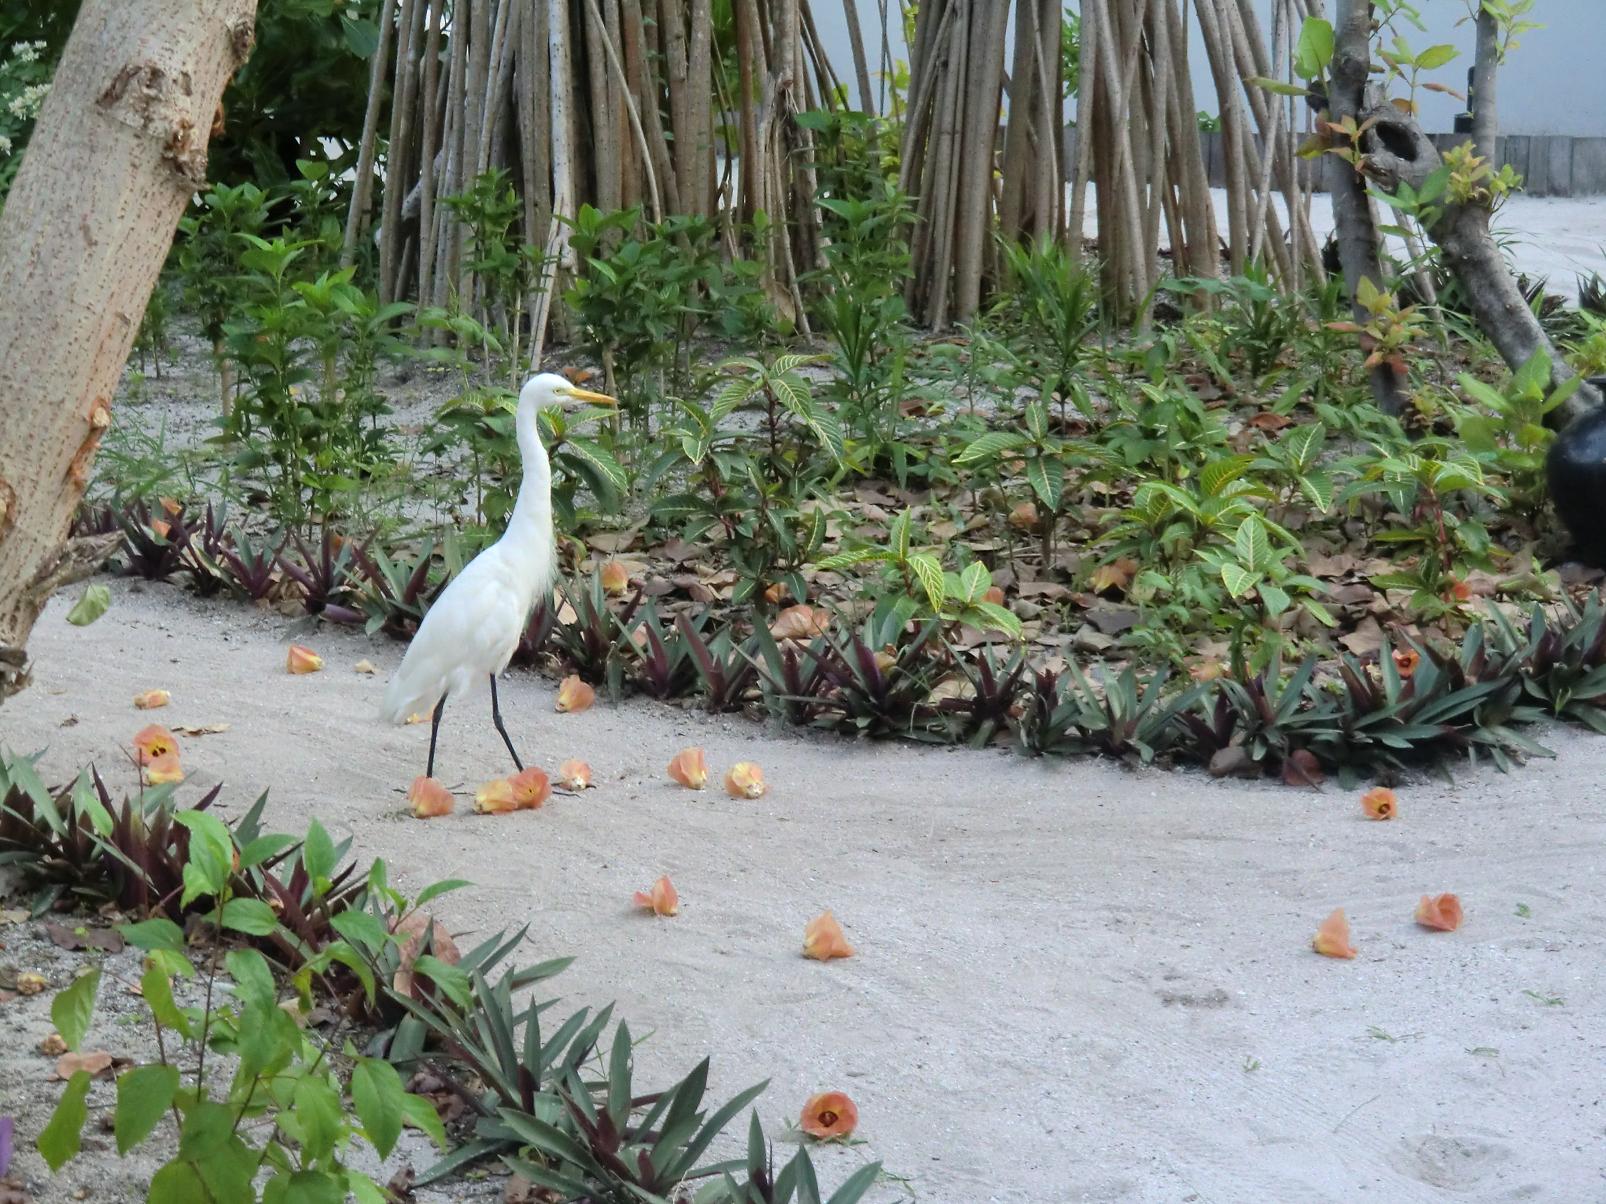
[1557, 239]
[1074, 981]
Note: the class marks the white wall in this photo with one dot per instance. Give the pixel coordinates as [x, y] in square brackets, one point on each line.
[1555, 83]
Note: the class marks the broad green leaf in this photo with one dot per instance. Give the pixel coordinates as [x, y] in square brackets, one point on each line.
[73, 1008]
[421, 1115]
[253, 981]
[317, 1110]
[318, 853]
[1252, 544]
[1281, 87]
[990, 445]
[90, 606]
[1238, 580]
[1274, 598]
[1318, 488]
[376, 1090]
[1435, 57]
[144, 1094]
[157, 989]
[180, 1183]
[1046, 475]
[1314, 50]
[250, 916]
[973, 582]
[360, 928]
[899, 534]
[153, 934]
[436, 889]
[998, 618]
[451, 980]
[211, 858]
[60, 1138]
[928, 571]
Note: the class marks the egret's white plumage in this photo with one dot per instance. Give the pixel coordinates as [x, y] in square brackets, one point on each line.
[471, 631]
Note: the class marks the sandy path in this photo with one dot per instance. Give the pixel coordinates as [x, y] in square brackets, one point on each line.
[1067, 973]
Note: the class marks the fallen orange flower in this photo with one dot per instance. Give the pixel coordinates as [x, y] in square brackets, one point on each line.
[495, 798]
[1380, 803]
[689, 769]
[429, 798]
[574, 695]
[1406, 660]
[1332, 938]
[152, 700]
[615, 577]
[530, 788]
[161, 527]
[163, 769]
[574, 775]
[153, 742]
[830, 1115]
[823, 939]
[302, 659]
[1439, 912]
[745, 780]
[661, 899]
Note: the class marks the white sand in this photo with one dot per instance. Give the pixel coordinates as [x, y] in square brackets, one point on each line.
[1074, 981]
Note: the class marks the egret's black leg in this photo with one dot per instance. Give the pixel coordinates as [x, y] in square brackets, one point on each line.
[496, 717]
[434, 731]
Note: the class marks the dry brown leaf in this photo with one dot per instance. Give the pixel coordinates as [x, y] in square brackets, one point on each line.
[53, 1046]
[801, 622]
[29, 983]
[412, 931]
[201, 729]
[96, 1062]
[1301, 768]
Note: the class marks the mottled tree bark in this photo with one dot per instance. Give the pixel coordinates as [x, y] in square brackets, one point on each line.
[118, 151]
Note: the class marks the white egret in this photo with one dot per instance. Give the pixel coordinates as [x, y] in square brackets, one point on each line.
[475, 624]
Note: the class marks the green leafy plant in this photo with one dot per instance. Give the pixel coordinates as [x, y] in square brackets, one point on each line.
[275, 1127]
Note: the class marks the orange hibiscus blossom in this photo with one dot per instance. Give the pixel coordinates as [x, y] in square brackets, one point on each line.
[1442, 913]
[1380, 803]
[1332, 938]
[831, 1115]
[823, 939]
[661, 899]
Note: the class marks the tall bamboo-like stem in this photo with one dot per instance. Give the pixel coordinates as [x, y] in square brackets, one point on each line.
[363, 191]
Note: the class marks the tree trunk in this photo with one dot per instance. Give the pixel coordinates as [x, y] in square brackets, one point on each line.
[1358, 250]
[118, 151]
[1397, 151]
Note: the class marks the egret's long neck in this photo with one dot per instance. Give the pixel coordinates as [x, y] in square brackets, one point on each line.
[530, 525]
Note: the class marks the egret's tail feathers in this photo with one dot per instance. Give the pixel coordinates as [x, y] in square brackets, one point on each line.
[403, 700]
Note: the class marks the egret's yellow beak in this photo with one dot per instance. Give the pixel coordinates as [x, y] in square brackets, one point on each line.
[596, 399]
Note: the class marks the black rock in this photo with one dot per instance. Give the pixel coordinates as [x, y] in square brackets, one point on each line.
[1576, 468]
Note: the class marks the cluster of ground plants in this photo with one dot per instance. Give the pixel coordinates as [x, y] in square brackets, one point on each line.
[1041, 527]
[280, 980]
